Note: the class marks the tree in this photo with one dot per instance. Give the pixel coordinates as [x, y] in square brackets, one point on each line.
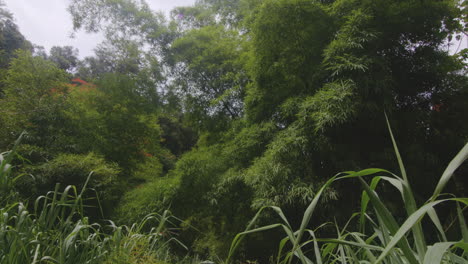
[338, 66]
[10, 37]
[33, 90]
[66, 58]
[10, 40]
[209, 72]
[127, 18]
[135, 39]
[186, 18]
[111, 118]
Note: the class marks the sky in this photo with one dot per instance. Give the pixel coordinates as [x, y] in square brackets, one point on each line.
[47, 23]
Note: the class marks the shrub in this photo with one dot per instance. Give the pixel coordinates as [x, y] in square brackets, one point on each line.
[70, 169]
[57, 230]
[149, 170]
[152, 196]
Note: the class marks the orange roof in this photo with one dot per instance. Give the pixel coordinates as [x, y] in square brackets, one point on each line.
[78, 80]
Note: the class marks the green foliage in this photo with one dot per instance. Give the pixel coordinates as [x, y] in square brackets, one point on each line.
[324, 71]
[210, 179]
[57, 231]
[29, 102]
[70, 169]
[284, 174]
[112, 119]
[186, 18]
[210, 74]
[152, 196]
[332, 105]
[229, 106]
[388, 242]
[207, 166]
[176, 137]
[152, 192]
[198, 171]
[288, 37]
[7, 180]
[11, 38]
[30, 78]
[148, 170]
[66, 58]
[245, 143]
[124, 14]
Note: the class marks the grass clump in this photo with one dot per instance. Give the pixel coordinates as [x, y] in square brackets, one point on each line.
[56, 230]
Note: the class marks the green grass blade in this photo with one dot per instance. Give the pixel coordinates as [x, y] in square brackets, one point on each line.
[280, 249]
[308, 214]
[328, 249]
[436, 221]
[397, 153]
[461, 219]
[280, 213]
[410, 222]
[451, 168]
[436, 252]
[239, 237]
[372, 258]
[365, 202]
[388, 220]
[462, 245]
[342, 241]
[318, 255]
[408, 198]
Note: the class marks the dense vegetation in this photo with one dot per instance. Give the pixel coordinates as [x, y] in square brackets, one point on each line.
[225, 109]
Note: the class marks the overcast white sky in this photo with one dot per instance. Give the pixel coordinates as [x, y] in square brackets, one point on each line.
[47, 22]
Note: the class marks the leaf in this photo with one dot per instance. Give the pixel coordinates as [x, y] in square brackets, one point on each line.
[410, 222]
[435, 220]
[389, 221]
[408, 198]
[436, 252]
[461, 219]
[451, 168]
[318, 256]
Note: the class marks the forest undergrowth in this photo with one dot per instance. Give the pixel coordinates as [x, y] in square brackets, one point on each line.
[58, 230]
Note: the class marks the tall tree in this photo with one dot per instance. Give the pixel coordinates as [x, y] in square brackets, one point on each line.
[10, 37]
[65, 57]
[10, 40]
[210, 73]
[112, 118]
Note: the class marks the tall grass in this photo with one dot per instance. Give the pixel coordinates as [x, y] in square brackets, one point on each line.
[57, 231]
[380, 238]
